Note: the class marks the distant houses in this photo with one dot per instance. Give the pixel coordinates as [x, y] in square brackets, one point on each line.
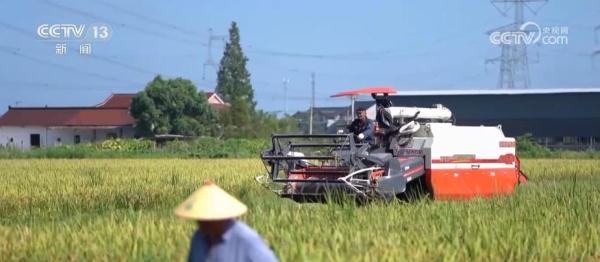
[26, 127]
[215, 101]
[325, 119]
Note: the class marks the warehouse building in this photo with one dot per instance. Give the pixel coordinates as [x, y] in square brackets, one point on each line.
[558, 118]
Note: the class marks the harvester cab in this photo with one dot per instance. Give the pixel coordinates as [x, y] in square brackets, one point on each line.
[414, 147]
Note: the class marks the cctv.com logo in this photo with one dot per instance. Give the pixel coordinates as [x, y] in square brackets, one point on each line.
[531, 33]
[74, 32]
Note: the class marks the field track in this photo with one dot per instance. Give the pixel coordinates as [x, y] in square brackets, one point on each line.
[121, 210]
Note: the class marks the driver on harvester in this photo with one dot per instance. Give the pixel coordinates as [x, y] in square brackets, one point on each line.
[386, 128]
[362, 127]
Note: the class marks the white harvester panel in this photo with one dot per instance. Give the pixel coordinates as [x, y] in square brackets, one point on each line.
[435, 113]
[469, 142]
[439, 112]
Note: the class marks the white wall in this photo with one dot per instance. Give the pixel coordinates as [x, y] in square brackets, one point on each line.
[50, 135]
[21, 135]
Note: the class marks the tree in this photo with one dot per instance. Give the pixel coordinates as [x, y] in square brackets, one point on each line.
[172, 106]
[269, 123]
[234, 87]
[242, 119]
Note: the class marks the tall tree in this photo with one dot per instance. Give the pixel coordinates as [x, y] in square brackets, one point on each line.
[173, 106]
[233, 77]
[233, 85]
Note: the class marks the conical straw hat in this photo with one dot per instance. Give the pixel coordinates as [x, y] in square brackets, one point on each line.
[210, 202]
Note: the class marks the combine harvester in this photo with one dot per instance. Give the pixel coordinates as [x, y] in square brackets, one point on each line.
[420, 146]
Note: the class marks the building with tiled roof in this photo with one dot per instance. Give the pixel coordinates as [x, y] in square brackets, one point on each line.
[25, 127]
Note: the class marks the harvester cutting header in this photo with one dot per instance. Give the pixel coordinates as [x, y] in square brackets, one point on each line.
[413, 146]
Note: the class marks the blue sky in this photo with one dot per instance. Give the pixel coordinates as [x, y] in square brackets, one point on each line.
[411, 45]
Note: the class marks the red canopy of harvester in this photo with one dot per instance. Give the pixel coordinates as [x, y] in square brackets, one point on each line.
[367, 90]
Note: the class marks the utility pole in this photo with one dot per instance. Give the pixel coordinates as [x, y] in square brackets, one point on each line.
[514, 65]
[312, 103]
[352, 100]
[285, 82]
[209, 60]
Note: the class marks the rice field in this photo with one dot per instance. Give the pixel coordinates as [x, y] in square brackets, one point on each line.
[121, 210]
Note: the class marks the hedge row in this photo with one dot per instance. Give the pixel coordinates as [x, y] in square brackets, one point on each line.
[139, 148]
[215, 148]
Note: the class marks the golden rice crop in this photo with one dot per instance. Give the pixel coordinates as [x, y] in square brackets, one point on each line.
[121, 209]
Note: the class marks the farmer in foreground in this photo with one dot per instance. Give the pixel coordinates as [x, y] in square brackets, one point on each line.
[220, 237]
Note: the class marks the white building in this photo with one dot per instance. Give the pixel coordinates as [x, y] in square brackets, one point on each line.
[25, 127]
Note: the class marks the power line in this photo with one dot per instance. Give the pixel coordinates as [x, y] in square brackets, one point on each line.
[127, 26]
[565, 52]
[66, 87]
[28, 34]
[365, 55]
[15, 29]
[124, 65]
[149, 19]
[296, 70]
[250, 48]
[211, 38]
[14, 52]
[340, 56]
[595, 53]
[395, 75]
[464, 79]
[105, 59]
[127, 66]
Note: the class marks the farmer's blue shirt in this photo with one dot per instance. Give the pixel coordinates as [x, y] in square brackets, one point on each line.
[238, 243]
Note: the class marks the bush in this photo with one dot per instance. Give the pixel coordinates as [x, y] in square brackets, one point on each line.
[125, 145]
[209, 147]
[527, 147]
[206, 147]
